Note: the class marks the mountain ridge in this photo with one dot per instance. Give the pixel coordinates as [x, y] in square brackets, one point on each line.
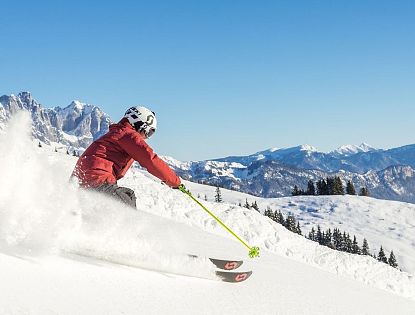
[388, 174]
[75, 125]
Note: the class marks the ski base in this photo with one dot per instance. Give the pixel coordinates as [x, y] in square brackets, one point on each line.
[226, 264]
[233, 277]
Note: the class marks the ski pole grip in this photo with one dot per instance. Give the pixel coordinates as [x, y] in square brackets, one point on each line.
[183, 189]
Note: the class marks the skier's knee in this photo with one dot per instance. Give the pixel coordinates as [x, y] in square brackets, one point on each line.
[127, 196]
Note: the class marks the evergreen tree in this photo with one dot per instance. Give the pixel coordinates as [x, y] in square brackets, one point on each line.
[311, 189]
[355, 246]
[328, 239]
[338, 186]
[312, 234]
[319, 187]
[218, 195]
[295, 191]
[290, 223]
[246, 205]
[254, 206]
[348, 243]
[338, 240]
[392, 260]
[343, 247]
[330, 185]
[382, 256]
[364, 192]
[279, 218]
[365, 248]
[350, 188]
[322, 187]
[319, 235]
[298, 229]
[341, 242]
[268, 213]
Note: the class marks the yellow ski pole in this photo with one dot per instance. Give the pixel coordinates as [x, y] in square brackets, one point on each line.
[253, 251]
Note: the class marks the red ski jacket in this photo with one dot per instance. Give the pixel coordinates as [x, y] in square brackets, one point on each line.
[108, 158]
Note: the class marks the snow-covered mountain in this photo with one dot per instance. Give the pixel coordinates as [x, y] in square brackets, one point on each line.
[66, 251]
[76, 125]
[269, 178]
[346, 150]
[388, 174]
[363, 160]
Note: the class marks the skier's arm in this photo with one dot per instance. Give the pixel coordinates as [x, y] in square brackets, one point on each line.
[140, 151]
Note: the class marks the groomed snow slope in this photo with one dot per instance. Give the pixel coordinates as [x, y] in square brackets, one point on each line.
[55, 243]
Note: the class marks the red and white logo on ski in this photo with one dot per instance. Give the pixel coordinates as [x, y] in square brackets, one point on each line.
[241, 277]
[231, 265]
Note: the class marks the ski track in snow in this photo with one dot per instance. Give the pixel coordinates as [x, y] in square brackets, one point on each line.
[47, 221]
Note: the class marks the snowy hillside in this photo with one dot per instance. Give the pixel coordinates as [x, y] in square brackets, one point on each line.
[384, 223]
[56, 243]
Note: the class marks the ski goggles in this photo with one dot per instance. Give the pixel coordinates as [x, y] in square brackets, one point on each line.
[150, 132]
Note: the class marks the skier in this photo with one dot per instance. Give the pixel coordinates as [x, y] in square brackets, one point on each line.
[108, 158]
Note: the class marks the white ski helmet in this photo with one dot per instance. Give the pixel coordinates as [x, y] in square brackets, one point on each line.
[142, 119]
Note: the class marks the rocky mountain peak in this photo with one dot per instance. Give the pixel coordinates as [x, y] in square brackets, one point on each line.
[77, 125]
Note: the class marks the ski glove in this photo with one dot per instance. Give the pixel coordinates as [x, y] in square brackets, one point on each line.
[181, 187]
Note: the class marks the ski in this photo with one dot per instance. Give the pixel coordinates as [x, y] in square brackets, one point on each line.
[234, 277]
[223, 263]
[222, 275]
[226, 264]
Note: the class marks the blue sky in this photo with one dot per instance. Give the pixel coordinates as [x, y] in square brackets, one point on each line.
[224, 77]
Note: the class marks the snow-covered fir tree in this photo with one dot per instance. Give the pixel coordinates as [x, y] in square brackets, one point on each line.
[365, 247]
[355, 246]
[218, 195]
[312, 234]
[268, 212]
[298, 229]
[392, 260]
[319, 235]
[381, 256]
